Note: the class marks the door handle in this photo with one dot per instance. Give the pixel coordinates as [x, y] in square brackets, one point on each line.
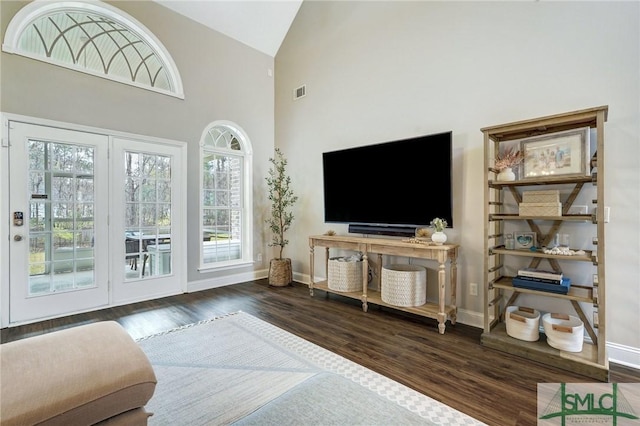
[17, 237]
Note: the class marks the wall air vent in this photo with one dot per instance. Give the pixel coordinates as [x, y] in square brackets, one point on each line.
[300, 92]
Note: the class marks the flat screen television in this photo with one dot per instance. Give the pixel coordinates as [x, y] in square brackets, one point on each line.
[390, 188]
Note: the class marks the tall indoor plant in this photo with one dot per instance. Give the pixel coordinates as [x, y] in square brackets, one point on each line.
[282, 200]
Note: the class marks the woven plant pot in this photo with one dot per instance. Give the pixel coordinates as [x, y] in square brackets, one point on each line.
[280, 273]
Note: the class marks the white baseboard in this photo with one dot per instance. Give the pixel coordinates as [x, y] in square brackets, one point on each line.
[624, 355]
[226, 280]
[474, 319]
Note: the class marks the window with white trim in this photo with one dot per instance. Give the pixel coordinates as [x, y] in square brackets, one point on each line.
[226, 200]
[94, 38]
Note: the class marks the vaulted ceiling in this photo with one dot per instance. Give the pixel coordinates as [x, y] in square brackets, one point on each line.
[260, 24]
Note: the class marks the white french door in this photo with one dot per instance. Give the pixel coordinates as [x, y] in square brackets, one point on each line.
[147, 217]
[96, 220]
[58, 238]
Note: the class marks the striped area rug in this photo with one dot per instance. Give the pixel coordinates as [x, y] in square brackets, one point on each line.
[238, 369]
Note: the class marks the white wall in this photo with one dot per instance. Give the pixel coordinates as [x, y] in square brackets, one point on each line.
[378, 71]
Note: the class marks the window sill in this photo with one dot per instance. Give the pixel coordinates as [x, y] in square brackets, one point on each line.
[204, 269]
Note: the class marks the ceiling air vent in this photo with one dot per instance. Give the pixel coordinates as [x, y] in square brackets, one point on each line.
[300, 92]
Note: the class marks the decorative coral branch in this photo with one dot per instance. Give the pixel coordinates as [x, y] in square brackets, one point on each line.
[508, 158]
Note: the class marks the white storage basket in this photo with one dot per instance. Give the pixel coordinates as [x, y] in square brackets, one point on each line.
[404, 285]
[523, 323]
[564, 332]
[344, 275]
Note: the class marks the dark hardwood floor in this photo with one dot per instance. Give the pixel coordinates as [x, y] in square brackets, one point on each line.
[454, 368]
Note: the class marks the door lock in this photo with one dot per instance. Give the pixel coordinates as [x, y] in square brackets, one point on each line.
[18, 218]
[17, 237]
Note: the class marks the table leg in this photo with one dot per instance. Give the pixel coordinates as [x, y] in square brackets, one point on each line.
[442, 316]
[365, 281]
[311, 268]
[454, 283]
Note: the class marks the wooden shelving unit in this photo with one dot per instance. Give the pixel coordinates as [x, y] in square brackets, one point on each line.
[442, 254]
[498, 289]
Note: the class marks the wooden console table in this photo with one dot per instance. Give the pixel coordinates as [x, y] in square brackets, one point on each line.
[382, 246]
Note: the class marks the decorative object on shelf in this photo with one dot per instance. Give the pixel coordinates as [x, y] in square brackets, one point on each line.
[330, 232]
[509, 242]
[546, 196]
[439, 237]
[562, 241]
[542, 284]
[505, 161]
[345, 273]
[507, 175]
[564, 251]
[282, 199]
[556, 154]
[524, 240]
[404, 285]
[540, 203]
[540, 209]
[414, 240]
[423, 234]
[564, 332]
[523, 323]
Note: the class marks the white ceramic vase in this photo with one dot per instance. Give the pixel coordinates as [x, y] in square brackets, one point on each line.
[439, 238]
[507, 175]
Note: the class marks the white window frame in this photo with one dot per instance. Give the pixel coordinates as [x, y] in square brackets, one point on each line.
[246, 153]
[38, 8]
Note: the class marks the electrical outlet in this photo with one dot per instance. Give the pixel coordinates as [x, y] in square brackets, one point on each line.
[607, 212]
[259, 257]
[473, 289]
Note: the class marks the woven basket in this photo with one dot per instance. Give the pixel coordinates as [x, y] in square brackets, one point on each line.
[280, 272]
[551, 196]
[540, 209]
[523, 323]
[344, 276]
[404, 285]
[564, 332]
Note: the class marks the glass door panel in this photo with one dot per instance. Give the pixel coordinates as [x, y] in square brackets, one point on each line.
[53, 262]
[147, 189]
[149, 218]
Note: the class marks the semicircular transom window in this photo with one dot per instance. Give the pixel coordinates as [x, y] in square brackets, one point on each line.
[94, 38]
[221, 137]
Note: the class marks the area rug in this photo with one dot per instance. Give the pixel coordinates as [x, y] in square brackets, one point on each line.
[238, 369]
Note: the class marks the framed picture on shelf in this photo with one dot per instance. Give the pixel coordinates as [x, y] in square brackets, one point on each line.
[524, 240]
[556, 154]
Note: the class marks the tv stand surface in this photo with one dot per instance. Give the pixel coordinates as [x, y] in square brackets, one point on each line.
[392, 247]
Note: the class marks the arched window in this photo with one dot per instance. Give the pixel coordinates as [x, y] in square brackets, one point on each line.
[94, 38]
[226, 200]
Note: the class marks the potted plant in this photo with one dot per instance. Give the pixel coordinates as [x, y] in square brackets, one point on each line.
[505, 161]
[282, 199]
[439, 237]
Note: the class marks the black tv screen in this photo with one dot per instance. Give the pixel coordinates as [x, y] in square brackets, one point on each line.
[403, 183]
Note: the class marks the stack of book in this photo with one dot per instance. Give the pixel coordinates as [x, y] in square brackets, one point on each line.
[540, 279]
